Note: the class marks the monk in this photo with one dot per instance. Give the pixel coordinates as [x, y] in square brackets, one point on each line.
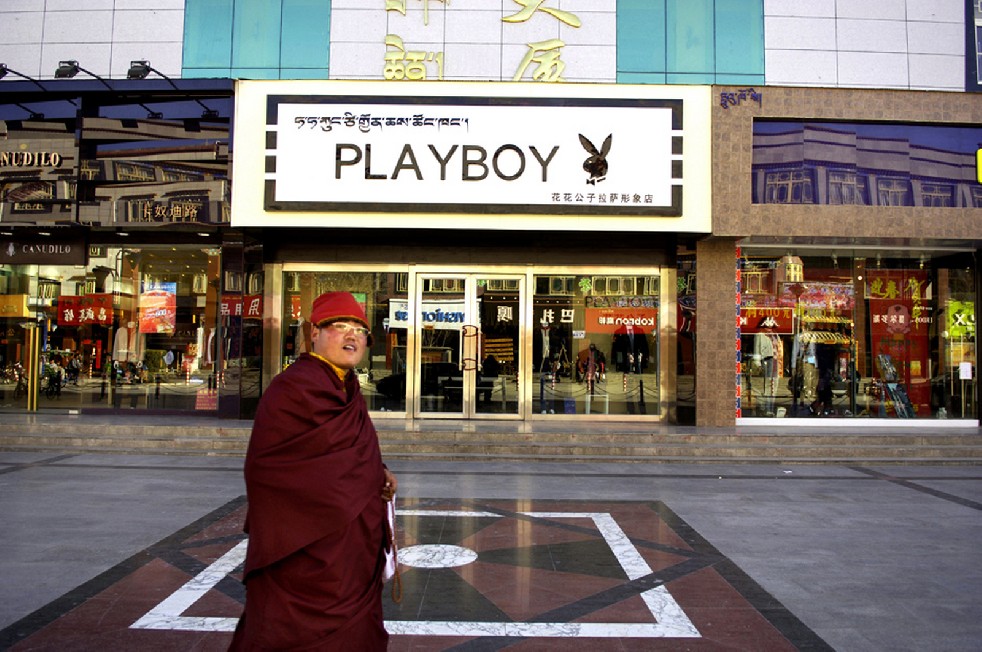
[316, 490]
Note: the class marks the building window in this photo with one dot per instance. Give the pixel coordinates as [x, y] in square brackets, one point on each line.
[847, 188]
[893, 192]
[937, 194]
[789, 187]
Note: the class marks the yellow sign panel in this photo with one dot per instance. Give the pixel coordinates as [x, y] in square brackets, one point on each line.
[13, 305]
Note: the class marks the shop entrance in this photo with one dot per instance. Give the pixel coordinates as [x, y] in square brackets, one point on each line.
[468, 346]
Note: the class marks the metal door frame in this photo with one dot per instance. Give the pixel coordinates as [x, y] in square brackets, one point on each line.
[471, 334]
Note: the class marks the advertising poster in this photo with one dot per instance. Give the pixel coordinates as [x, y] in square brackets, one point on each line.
[899, 321]
[158, 309]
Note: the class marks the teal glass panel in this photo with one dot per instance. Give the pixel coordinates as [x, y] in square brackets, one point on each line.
[255, 73]
[690, 78]
[641, 78]
[256, 34]
[739, 80]
[690, 36]
[306, 34]
[206, 73]
[304, 73]
[640, 36]
[207, 35]
[739, 37]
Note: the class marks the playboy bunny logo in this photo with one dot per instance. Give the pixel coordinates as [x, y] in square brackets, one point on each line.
[596, 164]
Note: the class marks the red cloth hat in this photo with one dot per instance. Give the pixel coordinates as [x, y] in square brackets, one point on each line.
[335, 306]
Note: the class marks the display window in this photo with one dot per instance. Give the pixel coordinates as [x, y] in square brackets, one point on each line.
[595, 346]
[875, 334]
[497, 344]
[135, 328]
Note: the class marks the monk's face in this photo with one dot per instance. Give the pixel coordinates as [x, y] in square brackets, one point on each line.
[342, 343]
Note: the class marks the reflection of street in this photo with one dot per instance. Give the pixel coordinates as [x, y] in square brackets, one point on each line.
[611, 393]
[163, 391]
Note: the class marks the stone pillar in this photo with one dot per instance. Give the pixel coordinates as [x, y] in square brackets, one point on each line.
[716, 332]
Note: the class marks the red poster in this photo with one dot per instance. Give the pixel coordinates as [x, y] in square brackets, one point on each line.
[158, 312]
[899, 322]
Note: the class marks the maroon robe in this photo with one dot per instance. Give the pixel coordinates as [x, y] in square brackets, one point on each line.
[316, 519]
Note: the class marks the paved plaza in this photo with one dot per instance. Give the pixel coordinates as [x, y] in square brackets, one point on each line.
[121, 552]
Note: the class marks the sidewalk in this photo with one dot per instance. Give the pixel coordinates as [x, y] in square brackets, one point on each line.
[733, 556]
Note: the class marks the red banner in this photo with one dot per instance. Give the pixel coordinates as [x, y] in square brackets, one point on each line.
[84, 310]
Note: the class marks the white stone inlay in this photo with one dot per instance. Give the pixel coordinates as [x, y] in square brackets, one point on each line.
[436, 556]
[670, 619]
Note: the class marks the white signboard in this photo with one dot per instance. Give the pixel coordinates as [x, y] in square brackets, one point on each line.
[442, 315]
[535, 156]
[479, 156]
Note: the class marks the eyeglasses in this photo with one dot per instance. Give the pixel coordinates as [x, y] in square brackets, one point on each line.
[344, 328]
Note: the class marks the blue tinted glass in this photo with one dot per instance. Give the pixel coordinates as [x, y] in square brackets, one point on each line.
[640, 36]
[256, 34]
[739, 37]
[306, 30]
[690, 36]
[207, 36]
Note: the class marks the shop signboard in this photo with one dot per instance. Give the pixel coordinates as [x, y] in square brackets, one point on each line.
[85, 310]
[51, 249]
[440, 315]
[621, 319]
[499, 153]
[248, 306]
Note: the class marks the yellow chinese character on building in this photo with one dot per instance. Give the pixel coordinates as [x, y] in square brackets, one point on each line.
[545, 54]
[529, 7]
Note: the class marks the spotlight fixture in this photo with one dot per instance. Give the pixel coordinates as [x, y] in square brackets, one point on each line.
[138, 70]
[141, 69]
[68, 69]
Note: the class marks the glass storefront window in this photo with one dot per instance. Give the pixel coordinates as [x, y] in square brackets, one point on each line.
[593, 340]
[135, 328]
[857, 334]
[383, 295]
[595, 344]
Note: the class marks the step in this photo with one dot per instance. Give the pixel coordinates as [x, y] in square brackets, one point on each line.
[414, 443]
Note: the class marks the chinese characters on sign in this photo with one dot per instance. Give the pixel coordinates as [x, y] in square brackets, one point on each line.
[542, 61]
[247, 307]
[84, 310]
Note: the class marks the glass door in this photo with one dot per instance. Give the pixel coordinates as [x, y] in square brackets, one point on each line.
[468, 346]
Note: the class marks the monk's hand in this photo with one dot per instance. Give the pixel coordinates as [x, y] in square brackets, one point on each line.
[390, 486]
